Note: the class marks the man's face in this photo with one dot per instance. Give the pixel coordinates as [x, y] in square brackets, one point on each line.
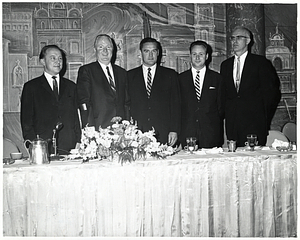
[240, 40]
[198, 56]
[53, 61]
[104, 50]
[149, 54]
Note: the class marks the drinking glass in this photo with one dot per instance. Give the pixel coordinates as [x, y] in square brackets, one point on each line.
[191, 144]
[251, 141]
[231, 145]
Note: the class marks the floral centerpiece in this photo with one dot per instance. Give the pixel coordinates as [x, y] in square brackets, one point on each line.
[123, 141]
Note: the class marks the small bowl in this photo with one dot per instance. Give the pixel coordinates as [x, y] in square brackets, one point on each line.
[16, 156]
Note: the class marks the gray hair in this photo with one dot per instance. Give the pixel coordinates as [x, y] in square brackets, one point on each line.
[103, 35]
[248, 32]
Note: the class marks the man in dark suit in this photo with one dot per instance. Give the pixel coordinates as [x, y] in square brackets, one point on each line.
[252, 90]
[48, 100]
[154, 95]
[101, 86]
[202, 100]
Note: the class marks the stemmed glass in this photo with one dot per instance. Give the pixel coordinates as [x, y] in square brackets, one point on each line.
[191, 144]
[251, 141]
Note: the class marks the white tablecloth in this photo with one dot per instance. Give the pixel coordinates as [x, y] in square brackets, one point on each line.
[242, 194]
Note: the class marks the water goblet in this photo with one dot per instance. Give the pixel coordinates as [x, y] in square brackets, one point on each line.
[251, 141]
[191, 144]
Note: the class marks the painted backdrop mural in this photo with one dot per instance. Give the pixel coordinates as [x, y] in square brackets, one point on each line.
[27, 27]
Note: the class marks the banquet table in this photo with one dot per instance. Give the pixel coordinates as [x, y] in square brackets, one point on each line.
[227, 194]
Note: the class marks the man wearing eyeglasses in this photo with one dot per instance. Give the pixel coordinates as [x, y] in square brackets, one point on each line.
[252, 90]
[101, 86]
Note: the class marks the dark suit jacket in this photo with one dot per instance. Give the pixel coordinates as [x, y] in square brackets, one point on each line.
[203, 119]
[162, 109]
[40, 112]
[94, 90]
[252, 108]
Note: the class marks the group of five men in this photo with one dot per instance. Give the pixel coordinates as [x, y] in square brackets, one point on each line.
[191, 104]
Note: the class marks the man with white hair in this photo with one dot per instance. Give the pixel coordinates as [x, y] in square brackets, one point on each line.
[252, 90]
[101, 86]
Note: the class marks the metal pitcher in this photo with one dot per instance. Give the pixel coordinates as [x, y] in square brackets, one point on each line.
[37, 151]
[231, 145]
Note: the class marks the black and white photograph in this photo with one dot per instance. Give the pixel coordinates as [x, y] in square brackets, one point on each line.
[147, 120]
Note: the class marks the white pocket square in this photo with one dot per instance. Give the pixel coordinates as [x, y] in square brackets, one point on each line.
[212, 88]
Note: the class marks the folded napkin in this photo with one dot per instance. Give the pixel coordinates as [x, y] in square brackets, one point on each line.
[279, 143]
[214, 150]
[74, 153]
[210, 151]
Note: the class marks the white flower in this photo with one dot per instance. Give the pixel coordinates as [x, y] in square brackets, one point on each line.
[118, 138]
[115, 125]
[105, 142]
[125, 123]
[134, 144]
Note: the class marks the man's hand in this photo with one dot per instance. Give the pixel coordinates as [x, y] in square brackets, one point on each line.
[172, 138]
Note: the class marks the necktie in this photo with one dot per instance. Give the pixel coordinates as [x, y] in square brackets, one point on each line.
[110, 79]
[197, 86]
[237, 78]
[149, 77]
[55, 88]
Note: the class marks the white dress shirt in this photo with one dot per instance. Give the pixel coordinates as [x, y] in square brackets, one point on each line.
[201, 75]
[145, 73]
[242, 62]
[50, 80]
[103, 66]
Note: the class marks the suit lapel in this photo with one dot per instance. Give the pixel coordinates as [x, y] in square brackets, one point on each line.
[155, 82]
[246, 69]
[206, 83]
[230, 73]
[62, 87]
[190, 83]
[141, 81]
[115, 75]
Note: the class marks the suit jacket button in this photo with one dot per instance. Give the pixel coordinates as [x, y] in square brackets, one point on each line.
[148, 119]
[197, 120]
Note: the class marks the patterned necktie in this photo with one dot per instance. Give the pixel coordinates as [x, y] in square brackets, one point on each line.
[197, 86]
[55, 87]
[237, 78]
[149, 77]
[110, 79]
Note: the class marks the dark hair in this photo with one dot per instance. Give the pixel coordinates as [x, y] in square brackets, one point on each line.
[45, 48]
[199, 43]
[63, 54]
[149, 39]
[206, 46]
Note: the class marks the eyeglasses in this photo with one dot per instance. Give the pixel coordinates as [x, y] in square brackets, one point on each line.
[102, 49]
[238, 38]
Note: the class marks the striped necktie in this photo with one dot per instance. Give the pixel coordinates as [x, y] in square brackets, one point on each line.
[197, 85]
[238, 77]
[110, 79]
[149, 82]
[55, 87]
